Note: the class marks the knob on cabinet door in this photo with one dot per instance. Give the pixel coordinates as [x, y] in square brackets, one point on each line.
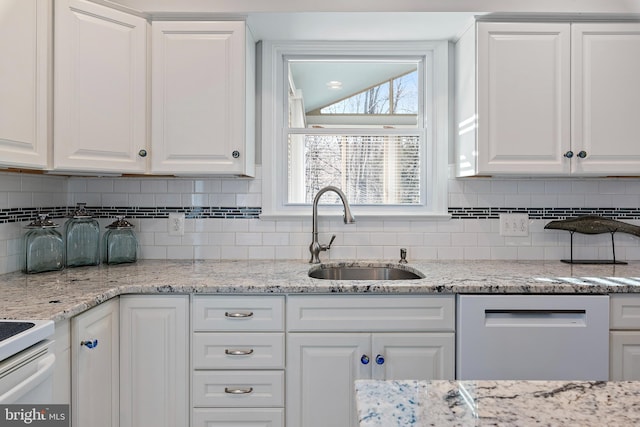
[235, 154]
[380, 359]
[142, 153]
[582, 154]
[568, 154]
[364, 359]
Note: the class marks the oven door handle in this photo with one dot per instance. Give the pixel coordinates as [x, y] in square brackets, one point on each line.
[45, 370]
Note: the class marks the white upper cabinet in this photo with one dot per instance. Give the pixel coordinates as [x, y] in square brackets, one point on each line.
[606, 98]
[202, 97]
[25, 39]
[100, 89]
[523, 97]
[548, 99]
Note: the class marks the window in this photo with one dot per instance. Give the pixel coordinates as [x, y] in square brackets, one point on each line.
[359, 116]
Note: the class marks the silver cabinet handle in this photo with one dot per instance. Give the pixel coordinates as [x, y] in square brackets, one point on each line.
[238, 352]
[582, 154]
[238, 314]
[568, 154]
[229, 390]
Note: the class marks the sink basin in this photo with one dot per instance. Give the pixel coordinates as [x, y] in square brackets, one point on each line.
[364, 272]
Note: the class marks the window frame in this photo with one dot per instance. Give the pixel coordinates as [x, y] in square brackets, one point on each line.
[274, 84]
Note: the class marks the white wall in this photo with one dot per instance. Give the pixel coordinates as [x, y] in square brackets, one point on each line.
[211, 238]
[20, 194]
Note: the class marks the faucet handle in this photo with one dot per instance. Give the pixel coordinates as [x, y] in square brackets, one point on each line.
[331, 241]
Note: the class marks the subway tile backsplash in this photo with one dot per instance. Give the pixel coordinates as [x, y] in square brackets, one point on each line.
[222, 219]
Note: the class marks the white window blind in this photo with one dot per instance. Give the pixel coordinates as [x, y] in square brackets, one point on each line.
[370, 169]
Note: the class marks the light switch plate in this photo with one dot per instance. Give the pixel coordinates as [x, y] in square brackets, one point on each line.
[514, 224]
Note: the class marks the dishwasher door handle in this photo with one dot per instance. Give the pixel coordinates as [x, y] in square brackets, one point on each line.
[534, 317]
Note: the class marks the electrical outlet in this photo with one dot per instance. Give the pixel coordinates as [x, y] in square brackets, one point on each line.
[176, 224]
[515, 224]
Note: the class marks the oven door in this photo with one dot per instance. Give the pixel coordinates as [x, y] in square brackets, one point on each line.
[27, 377]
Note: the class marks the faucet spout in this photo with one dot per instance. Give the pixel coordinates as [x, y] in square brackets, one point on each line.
[315, 248]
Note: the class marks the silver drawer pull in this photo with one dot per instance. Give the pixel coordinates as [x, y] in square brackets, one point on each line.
[238, 352]
[238, 314]
[238, 390]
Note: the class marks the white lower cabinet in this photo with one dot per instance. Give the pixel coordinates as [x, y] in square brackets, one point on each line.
[154, 364]
[321, 370]
[237, 355]
[236, 349]
[427, 355]
[62, 368]
[95, 366]
[334, 340]
[624, 337]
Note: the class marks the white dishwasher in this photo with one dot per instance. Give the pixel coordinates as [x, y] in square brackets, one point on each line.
[532, 337]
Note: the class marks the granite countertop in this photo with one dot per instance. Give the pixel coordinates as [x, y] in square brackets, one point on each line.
[497, 403]
[60, 295]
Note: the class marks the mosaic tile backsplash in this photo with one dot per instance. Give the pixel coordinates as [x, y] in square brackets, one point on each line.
[222, 219]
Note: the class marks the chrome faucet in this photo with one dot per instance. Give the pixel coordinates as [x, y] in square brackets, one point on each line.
[315, 248]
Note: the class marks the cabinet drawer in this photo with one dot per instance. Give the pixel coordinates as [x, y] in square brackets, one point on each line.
[247, 417]
[238, 388]
[238, 351]
[238, 313]
[371, 313]
[624, 311]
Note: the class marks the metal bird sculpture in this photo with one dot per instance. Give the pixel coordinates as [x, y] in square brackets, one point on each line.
[593, 224]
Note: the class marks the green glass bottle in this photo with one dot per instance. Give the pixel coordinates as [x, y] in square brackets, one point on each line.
[82, 238]
[120, 242]
[44, 246]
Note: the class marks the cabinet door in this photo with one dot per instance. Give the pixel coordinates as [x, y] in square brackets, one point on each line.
[154, 361]
[523, 97]
[198, 95]
[420, 356]
[606, 97]
[100, 88]
[321, 370]
[25, 38]
[624, 356]
[95, 366]
[62, 371]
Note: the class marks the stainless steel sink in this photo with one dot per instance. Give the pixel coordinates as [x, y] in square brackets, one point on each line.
[364, 272]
